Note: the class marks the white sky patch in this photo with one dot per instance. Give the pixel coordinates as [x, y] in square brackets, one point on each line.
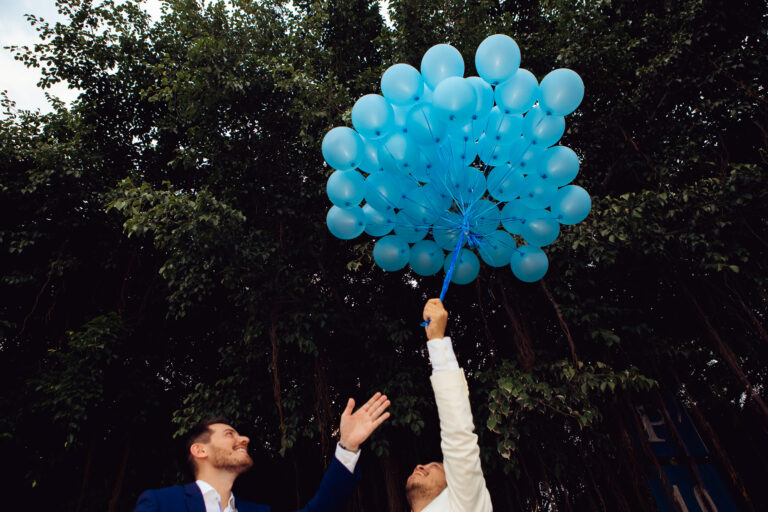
[15, 30]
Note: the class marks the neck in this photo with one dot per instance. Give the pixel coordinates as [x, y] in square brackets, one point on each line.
[220, 480]
[419, 504]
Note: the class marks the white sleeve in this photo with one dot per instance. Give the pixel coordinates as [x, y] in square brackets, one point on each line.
[347, 458]
[461, 454]
[441, 355]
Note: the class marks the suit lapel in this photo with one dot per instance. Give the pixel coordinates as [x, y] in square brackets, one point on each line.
[193, 498]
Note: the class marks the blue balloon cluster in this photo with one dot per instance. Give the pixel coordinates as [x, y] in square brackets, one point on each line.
[449, 168]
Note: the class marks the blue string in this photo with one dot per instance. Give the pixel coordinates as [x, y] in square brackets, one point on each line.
[448, 274]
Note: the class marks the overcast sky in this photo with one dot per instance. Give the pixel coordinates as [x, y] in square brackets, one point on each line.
[19, 81]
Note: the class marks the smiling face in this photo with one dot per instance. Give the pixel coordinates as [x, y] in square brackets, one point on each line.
[426, 482]
[226, 449]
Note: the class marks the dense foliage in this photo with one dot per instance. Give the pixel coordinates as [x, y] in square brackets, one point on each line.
[165, 256]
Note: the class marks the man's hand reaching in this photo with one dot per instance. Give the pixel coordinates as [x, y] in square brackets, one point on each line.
[356, 427]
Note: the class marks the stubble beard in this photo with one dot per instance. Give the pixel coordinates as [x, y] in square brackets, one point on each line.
[232, 461]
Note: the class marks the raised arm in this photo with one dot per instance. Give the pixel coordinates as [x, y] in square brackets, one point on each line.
[461, 454]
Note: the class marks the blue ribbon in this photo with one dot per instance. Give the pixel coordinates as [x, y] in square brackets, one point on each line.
[449, 274]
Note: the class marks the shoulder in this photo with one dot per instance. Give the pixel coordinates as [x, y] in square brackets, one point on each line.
[155, 499]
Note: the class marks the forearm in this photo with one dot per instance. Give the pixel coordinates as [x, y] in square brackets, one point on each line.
[461, 453]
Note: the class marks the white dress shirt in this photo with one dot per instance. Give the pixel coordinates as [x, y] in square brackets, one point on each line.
[212, 499]
[466, 491]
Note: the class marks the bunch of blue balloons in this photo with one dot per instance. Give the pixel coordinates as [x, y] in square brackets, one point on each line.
[463, 166]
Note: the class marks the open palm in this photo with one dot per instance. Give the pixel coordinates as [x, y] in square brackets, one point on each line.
[356, 427]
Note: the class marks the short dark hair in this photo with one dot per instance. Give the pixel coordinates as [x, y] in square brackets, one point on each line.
[201, 433]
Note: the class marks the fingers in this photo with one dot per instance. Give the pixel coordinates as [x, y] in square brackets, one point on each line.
[371, 401]
[350, 407]
[381, 419]
[380, 407]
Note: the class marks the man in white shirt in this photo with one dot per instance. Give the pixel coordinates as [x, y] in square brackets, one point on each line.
[219, 454]
[457, 484]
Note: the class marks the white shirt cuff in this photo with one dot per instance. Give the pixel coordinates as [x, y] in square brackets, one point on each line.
[346, 457]
[441, 355]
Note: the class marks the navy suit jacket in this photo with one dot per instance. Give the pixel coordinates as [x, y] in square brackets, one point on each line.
[335, 489]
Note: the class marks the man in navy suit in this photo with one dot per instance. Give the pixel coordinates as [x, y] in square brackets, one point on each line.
[219, 454]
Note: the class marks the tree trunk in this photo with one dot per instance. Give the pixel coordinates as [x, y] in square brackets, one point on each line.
[486, 328]
[720, 454]
[323, 408]
[86, 475]
[560, 319]
[118, 487]
[729, 356]
[648, 451]
[525, 353]
[686, 458]
[273, 366]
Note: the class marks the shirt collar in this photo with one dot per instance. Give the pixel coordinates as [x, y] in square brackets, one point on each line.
[207, 489]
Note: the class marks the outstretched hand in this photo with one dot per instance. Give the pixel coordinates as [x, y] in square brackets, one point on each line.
[356, 427]
[436, 318]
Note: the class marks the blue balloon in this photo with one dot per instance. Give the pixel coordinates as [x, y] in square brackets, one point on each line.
[438, 195]
[424, 170]
[492, 153]
[525, 156]
[400, 119]
[426, 258]
[466, 184]
[384, 191]
[503, 129]
[447, 229]
[466, 268]
[423, 125]
[369, 163]
[345, 188]
[378, 223]
[484, 217]
[345, 223]
[541, 228]
[342, 148]
[505, 182]
[529, 263]
[457, 154]
[559, 164]
[561, 92]
[484, 95]
[517, 94]
[497, 58]
[402, 85]
[496, 248]
[419, 207]
[373, 117]
[399, 153]
[541, 129]
[571, 205]
[409, 230]
[454, 100]
[536, 192]
[391, 253]
[440, 62]
[514, 215]
[468, 132]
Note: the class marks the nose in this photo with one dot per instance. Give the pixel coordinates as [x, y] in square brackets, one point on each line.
[245, 440]
[420, 467]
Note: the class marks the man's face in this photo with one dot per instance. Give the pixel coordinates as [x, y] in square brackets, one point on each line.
[426, 481]
[227, 449]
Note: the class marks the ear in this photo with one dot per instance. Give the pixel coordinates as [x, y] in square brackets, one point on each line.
[198, 451]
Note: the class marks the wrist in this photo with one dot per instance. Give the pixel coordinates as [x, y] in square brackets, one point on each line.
[350, 447]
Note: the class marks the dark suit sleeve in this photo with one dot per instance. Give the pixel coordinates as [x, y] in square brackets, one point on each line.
[147, 502]
[335, 489]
